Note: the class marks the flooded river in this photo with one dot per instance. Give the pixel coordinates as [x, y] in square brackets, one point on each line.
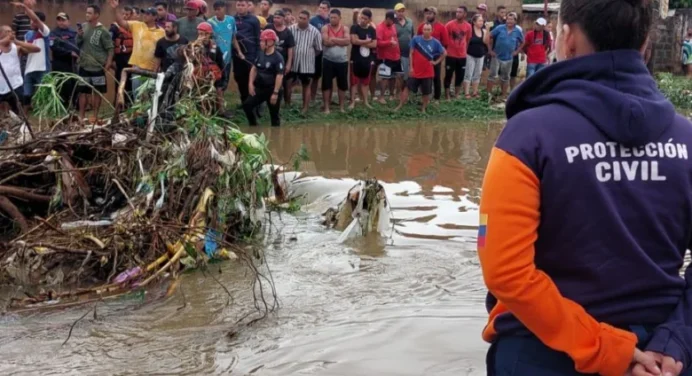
[414, 307]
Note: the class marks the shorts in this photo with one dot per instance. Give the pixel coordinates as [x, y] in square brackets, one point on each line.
[361, 73]
[31, 81]
[304, 78]
[225, 77]
[405, 68]
[318, 67]
[394, 65]
[515, 67]
[500, 68]
[425, 85]
[332, 70]
[97, 80]
[13, 101]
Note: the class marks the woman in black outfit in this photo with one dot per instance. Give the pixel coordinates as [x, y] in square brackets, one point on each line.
[266, 79]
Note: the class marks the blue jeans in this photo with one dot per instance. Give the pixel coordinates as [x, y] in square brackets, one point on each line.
[528, 356]
[31, 80]
[533, 68]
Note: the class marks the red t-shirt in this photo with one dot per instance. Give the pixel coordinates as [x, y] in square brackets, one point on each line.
[459, 36]
[424, 52]
[536, 47]
[385, 49]
[439, 32]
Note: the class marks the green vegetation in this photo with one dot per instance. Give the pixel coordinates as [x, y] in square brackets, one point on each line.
[461, 109]
[678, 89]
[679, 4]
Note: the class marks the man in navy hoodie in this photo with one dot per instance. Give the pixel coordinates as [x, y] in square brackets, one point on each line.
[248, 33]
[586, 210]
[63, 45]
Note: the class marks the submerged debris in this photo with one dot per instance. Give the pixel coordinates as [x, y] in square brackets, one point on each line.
[365, 210]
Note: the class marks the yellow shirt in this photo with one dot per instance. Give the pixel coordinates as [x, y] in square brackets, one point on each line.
[143, 44]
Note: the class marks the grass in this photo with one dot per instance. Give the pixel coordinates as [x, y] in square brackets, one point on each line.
[461, 109]
[677, 89]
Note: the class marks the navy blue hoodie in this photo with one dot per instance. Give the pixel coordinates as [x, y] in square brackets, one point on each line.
[248, 35]
[586, 214]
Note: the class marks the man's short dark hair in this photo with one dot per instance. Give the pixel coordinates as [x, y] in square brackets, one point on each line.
[610, 25]
[161, 4]
[335, 11]
[305, 12]
[174, 23]
[241, 1]
[287, 10]
[501, 7]
[366, 12]
[219, 4]
[327, 3]
[95, 8]
[41, 16]
[466, 10]
[128, 8]
[271, 3]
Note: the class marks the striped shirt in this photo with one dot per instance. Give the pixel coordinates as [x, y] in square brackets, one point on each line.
[21, 24]
[308, 46]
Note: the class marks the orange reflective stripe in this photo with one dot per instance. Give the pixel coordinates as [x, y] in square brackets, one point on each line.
[511, 201]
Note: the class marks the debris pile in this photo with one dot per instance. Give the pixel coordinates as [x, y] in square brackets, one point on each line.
[114, 207]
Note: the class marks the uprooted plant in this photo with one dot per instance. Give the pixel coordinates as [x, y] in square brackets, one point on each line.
[115, 207]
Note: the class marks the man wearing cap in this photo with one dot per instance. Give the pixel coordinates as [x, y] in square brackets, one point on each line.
[389, 53]
[212, 63]
[537, 47]
[187, 26]
[145, 34]
[63, 45]
[404, 33]
[284, 46]
[439, 32]
[482, 9]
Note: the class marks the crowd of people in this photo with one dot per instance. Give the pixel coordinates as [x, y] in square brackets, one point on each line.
[269, 53]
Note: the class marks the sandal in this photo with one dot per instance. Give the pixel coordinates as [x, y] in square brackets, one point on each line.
[468, 96]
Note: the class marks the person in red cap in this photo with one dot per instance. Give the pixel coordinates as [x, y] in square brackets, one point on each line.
[187, 26]
[266, 80]
[482, 9]
[212, 62]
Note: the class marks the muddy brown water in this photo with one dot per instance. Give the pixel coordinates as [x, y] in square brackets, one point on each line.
[414, 307]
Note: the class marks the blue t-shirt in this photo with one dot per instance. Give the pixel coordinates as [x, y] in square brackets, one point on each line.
[506, 43]
[317, 21]
[223, 34]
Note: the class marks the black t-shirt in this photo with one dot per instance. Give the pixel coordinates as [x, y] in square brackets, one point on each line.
[358, 52]
[166, 51]
[268, 67]
[285, 42]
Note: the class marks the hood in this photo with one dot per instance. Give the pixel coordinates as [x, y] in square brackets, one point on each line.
[614, 90]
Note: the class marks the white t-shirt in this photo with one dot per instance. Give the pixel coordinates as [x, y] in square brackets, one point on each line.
[36, 62]
[10, 63]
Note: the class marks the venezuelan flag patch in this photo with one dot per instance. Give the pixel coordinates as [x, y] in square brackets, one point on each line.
[482, 229]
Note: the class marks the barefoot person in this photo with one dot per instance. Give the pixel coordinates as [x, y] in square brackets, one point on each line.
[585, 212]
[363, 39]
[266, 80]
[478, 49]
[426, 53]
[335, 60]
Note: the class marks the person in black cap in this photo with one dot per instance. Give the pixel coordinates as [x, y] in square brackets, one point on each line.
[63, 45]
